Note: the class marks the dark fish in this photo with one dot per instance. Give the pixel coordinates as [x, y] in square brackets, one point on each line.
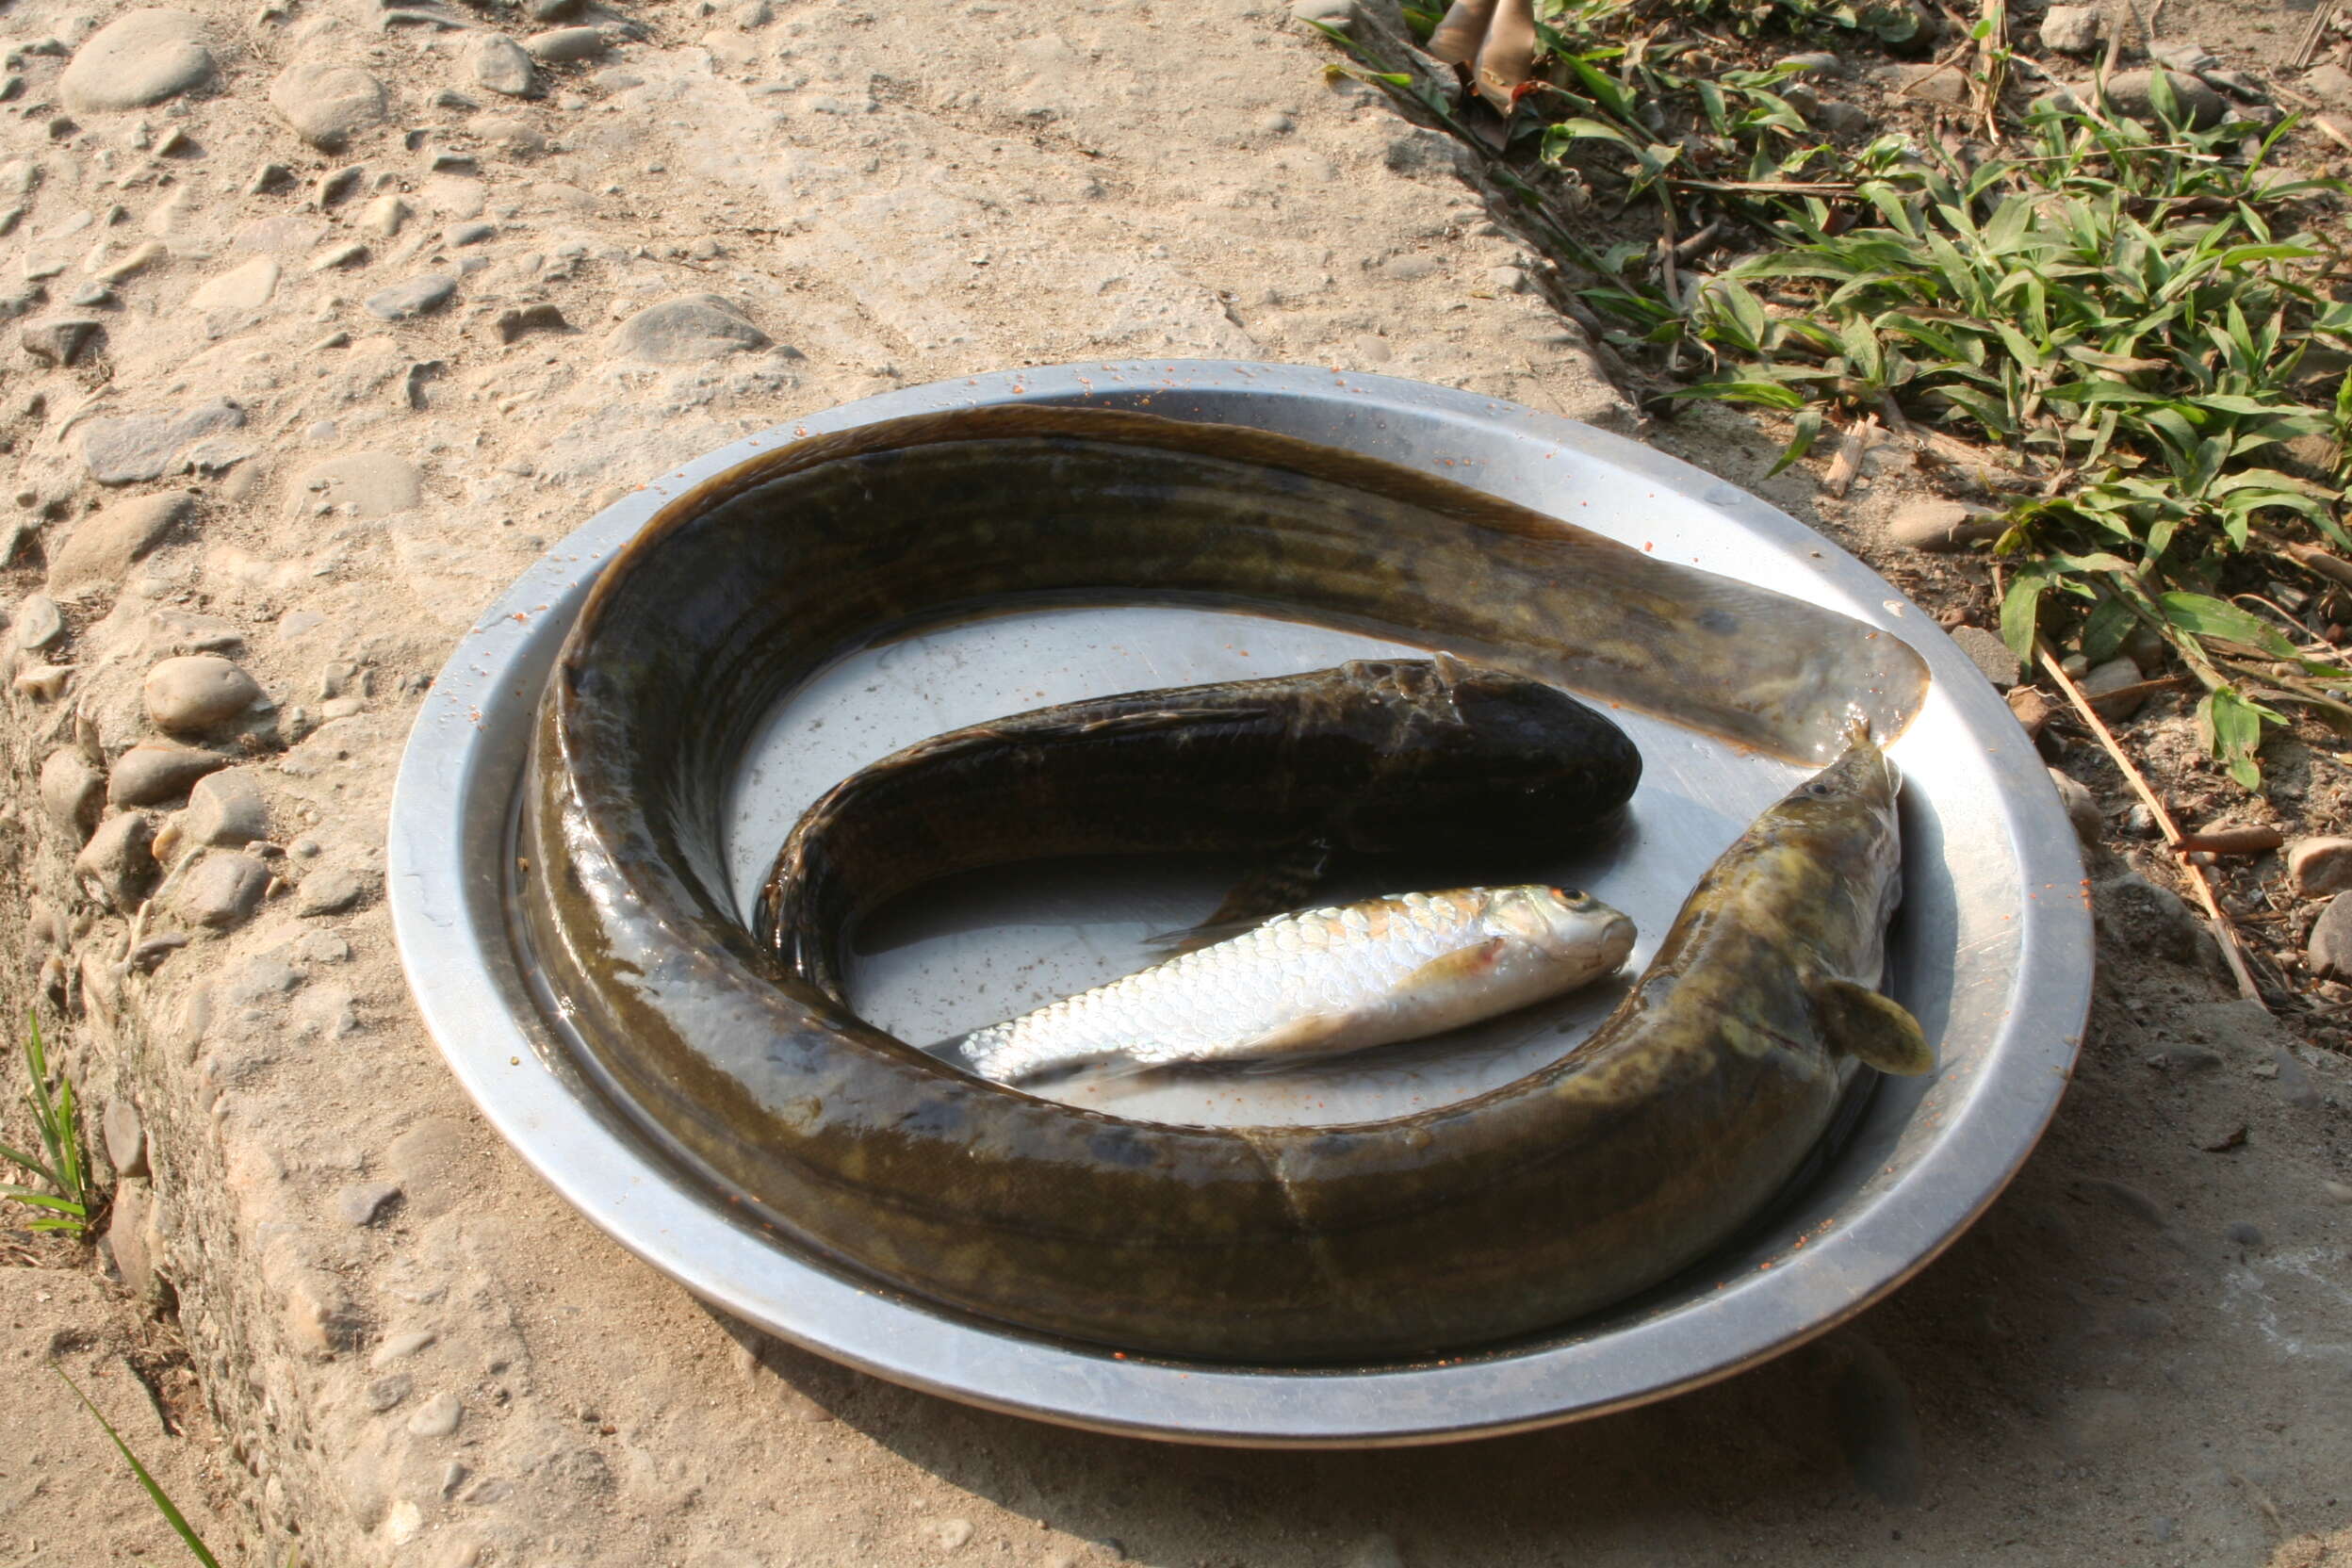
[1370, 758]
[1513, 1212]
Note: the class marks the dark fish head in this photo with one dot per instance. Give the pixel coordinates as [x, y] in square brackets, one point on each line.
[1487, 758]
[1840, 826]
[1515, 717]
[1862, 782]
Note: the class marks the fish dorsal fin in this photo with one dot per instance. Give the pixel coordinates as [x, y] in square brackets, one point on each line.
[1450, 667]
[1462, 964]
[1282, 884]
[1873, 1029]
[1185, 939]
[1157, 721]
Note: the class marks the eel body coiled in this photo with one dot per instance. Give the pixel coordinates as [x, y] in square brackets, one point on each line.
[1515, 1211]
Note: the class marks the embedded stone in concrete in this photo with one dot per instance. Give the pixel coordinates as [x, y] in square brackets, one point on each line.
[500, 65]
[437, 1417]
[141, 447]
[152, 772]
[198, 692]
[328, 104]
[38, 622]
[244, 287]
[563, 45]
[99, 550]
[115, 867]
[222, 890]
[72, 792]
[129, 1236]
[685, 331]
[320, 1319]
[227, 808]
[59, 339]
[413, 298]
[328, 892]
[125, 1136]
[140, 58]
[363, 1203]
[358, 484]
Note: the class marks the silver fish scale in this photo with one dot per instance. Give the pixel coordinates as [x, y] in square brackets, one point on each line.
[1218, 1001]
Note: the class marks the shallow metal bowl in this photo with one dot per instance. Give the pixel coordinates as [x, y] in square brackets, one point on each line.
[1992, 950]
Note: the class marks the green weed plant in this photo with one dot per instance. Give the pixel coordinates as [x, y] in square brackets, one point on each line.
[73, 1204]
[2129, 321]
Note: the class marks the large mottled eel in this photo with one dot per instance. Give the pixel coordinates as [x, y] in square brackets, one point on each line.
[1522, 1208]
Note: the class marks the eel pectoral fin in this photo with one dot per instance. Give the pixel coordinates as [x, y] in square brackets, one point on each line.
[1872, 1028]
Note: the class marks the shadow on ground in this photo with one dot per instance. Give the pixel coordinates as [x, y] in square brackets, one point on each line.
[2048, 1370]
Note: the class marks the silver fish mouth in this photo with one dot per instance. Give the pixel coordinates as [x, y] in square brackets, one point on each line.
[1617, 939]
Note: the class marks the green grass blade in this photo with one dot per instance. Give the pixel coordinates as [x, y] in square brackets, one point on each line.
[2139, 305]
[18, 1156]
[70, 1165]
[58, 1121]
[164, 1505]
[1809, 426]
[2205, 616]
[41, 1199]
[2020, 611]
[46, 1120]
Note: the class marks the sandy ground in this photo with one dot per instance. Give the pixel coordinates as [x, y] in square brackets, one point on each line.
[392, 307]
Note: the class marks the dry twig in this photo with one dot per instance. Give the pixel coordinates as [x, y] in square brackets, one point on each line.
[1847, 465]
[2258, 839]
[2333, 567]
[2335, 130]
[2140, 688]
[1992, 53]
[1977, 463]
[1778, 187]
[2314, 33]
[2231, 948]
[1694, 247]
[1950, 62]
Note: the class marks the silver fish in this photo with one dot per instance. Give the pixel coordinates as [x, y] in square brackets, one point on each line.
[1321, 982]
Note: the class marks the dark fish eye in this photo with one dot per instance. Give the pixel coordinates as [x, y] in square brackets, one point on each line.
[1820, 791]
